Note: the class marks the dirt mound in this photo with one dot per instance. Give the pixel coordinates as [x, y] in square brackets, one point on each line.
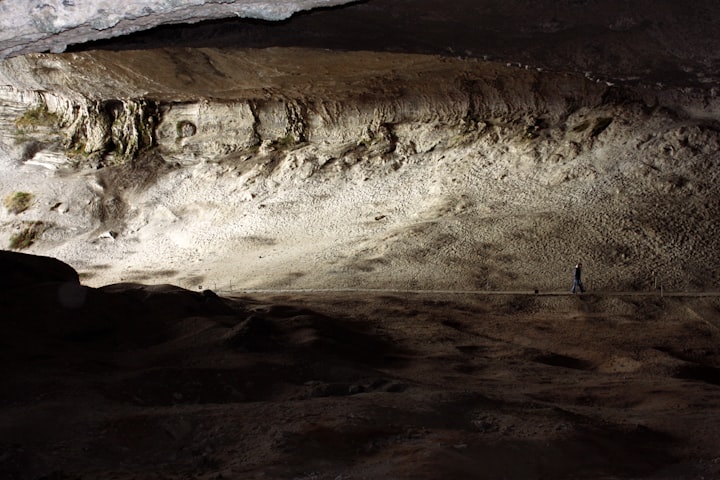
[22, 270]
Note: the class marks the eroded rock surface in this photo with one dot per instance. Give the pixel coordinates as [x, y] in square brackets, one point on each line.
[280, 168]
[35, 26]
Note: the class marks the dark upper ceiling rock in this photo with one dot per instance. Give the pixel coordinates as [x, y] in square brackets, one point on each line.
[50, 25]
[651, 42]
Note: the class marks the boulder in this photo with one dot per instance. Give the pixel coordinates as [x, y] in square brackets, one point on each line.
[24, 270]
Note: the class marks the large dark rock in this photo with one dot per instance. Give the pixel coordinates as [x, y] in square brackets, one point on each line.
[24, 270]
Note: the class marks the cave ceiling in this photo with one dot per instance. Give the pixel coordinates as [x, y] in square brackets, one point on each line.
[650, 42]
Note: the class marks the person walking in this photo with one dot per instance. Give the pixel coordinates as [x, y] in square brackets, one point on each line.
[577, 279]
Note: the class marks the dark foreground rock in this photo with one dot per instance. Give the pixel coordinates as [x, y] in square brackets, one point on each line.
[157, 382]
[22, 270]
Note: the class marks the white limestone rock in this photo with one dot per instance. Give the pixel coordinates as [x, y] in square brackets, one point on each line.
[51, 25]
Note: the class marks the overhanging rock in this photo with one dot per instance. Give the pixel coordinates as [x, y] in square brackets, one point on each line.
[51, 25]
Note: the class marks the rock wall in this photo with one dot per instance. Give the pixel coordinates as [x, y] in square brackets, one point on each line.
[360, 169]
[83, 131]
[211, 105]
[193, 106]
[236, 107]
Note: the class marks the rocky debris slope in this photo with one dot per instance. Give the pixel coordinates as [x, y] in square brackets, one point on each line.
[34, 26]
[308, 169]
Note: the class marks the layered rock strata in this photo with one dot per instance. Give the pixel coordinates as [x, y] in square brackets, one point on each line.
[472, 174]
[206, 104]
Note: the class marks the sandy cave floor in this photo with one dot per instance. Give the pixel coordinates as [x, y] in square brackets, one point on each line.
[346, 385]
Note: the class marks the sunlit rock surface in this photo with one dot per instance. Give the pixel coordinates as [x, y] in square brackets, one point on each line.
[302, 168]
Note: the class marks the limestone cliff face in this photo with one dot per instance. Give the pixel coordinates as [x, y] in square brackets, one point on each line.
[207, 105]
[365, 169]
[82, 129]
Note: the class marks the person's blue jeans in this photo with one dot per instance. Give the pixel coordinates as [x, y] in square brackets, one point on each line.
[577, 284]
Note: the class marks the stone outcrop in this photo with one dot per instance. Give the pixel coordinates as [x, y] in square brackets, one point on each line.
[207, 104]
[77, 130]
[164, 99]
[52, 25]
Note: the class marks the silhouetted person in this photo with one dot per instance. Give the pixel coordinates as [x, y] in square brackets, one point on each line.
[577, 279]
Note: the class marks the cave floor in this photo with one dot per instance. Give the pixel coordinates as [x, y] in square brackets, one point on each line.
[374, 385]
